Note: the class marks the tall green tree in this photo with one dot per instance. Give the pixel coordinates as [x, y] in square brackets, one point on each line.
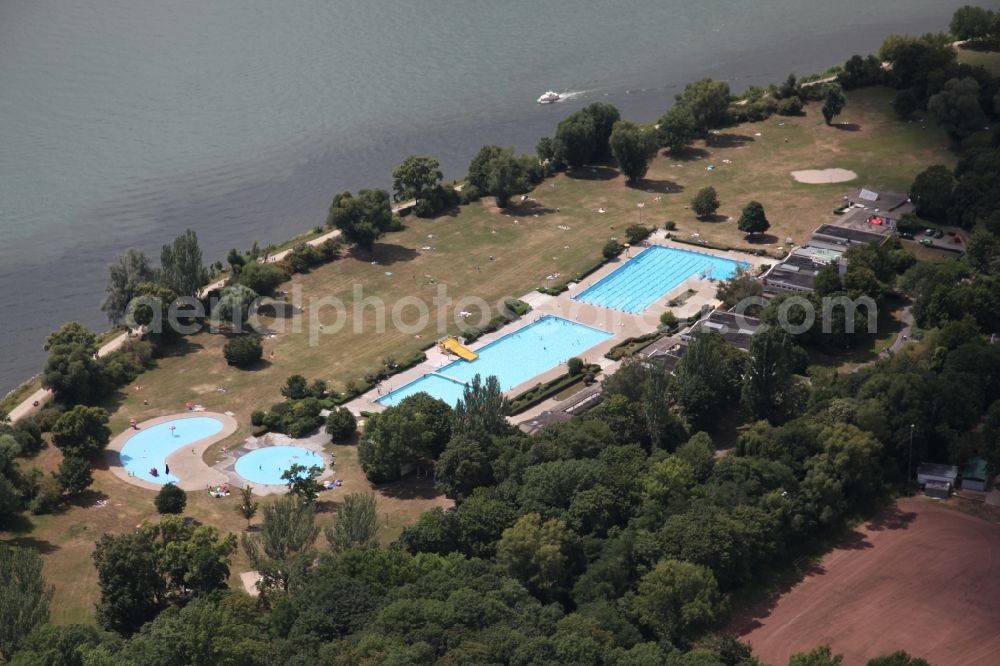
[752, 219]
[235, 304]
[356, 524]
[247, 508]
[708, 102]
[72, 369]
[24, 602]
[482, 408]
[124, 277]
[419, 178]
[283, 542]
[182, 269]
[707, 378]
[931, 192]
[537, 553]
[362, 219]
[957, 109]
[302, 483]
[465, 465]
[705, 203]
[974, 24]
[577, 138]
[678, 128]
[834, 101]
[479, 168]
[505, 178]
[75, 475]
[769, 384]
[632, 147]
[677, 600]
[82, 432]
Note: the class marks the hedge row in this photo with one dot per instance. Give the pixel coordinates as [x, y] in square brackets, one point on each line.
[540, 392]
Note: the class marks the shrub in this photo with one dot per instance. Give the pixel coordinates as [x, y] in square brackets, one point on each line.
[47, 496]
[706, 202]
[574, 366]
[170, 499]
[75, 475]
[668, 319]
[611, 249]
[257, 417]
[341, 424]
[243, 351]
[637, 233]
[670, 225]
[790, 106]
[263, 278]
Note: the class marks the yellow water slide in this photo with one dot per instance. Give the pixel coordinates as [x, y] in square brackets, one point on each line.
[451, 344]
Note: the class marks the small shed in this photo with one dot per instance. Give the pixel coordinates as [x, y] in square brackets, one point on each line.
[937, 489]
[935, 472]
[974, 475]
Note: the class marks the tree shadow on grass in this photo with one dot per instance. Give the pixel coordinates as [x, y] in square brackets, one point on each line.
[688, 154]
[519, 208]
[40, 546]
[181, 347]
[714, 218]
[88, 497]
[410, 488]
[278, 310]
[847, 127]
[656, 186]
[761, 239]
[592, 173]
[729, 140]
[388, 254]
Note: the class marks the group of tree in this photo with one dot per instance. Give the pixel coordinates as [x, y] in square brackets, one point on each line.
[968, 196]
[702, 107]
[499, 173]
[924, 70]
[418, 179]
[361, 219]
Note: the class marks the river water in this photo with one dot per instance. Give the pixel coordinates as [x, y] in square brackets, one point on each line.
[123, 122]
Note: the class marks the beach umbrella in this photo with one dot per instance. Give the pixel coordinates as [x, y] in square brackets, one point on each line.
[172, 428]
[189, 404]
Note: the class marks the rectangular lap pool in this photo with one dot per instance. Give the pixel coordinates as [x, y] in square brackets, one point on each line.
[648, 276]
[513, 359]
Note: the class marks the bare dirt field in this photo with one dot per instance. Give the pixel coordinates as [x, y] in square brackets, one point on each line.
[920, 577]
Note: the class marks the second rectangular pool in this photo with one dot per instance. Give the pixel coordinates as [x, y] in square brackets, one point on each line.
[513, 359]
[647, 277]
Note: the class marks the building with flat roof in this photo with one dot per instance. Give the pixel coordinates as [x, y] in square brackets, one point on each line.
[667, 352]
[975, 475]
[936, 472]
[737, 330]
[892, 205]
[797, 272]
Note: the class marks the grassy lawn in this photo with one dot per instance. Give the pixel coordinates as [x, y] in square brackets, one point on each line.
[988, 59]
[478, 251]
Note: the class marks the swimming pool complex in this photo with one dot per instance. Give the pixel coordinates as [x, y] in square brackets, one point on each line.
[647, 277]
[148, 448]
[513, 359]
[268, 464]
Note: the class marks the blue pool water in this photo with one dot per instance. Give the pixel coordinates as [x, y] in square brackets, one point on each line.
[648, 276]
[268, 464]
[149, 447]
[513, 359]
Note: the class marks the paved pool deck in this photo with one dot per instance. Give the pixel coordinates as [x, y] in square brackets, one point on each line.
[621, 325]
[186, 463]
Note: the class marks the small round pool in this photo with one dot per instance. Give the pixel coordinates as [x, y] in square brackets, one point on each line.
[148, 448]
[268, 464]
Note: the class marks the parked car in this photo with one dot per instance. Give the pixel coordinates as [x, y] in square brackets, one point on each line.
[938, 234]
[926, 241]
[928, 232]
[906, 235]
